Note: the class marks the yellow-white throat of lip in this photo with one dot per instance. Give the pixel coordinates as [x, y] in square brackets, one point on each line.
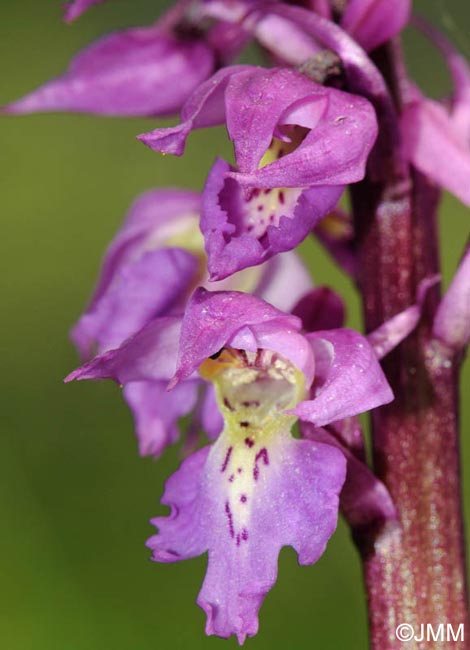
[253, 390]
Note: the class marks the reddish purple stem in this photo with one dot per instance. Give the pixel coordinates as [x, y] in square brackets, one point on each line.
[414, 572]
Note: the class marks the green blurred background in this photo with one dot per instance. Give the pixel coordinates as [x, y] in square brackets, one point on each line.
[75, 498]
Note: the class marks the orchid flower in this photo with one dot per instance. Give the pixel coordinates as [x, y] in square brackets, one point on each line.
[297, 144]
[437, 138]
[369, 22]
[128, 73]
[235, 499]
[262, 362]
[149, 271]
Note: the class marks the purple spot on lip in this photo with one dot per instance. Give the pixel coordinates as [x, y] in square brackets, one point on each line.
[249, 442]
[228, 512]
[228, 405]
[231, 478]
[239, 470]
[226, 461]
[261, 455]
[243, 498]
[250, 403]
[242, 537]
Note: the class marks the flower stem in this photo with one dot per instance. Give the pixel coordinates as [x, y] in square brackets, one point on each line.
[414, 571]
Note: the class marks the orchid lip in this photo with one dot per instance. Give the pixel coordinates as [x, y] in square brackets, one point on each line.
[254, 390]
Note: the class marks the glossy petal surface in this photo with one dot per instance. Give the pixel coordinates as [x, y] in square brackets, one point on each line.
[127, 73]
